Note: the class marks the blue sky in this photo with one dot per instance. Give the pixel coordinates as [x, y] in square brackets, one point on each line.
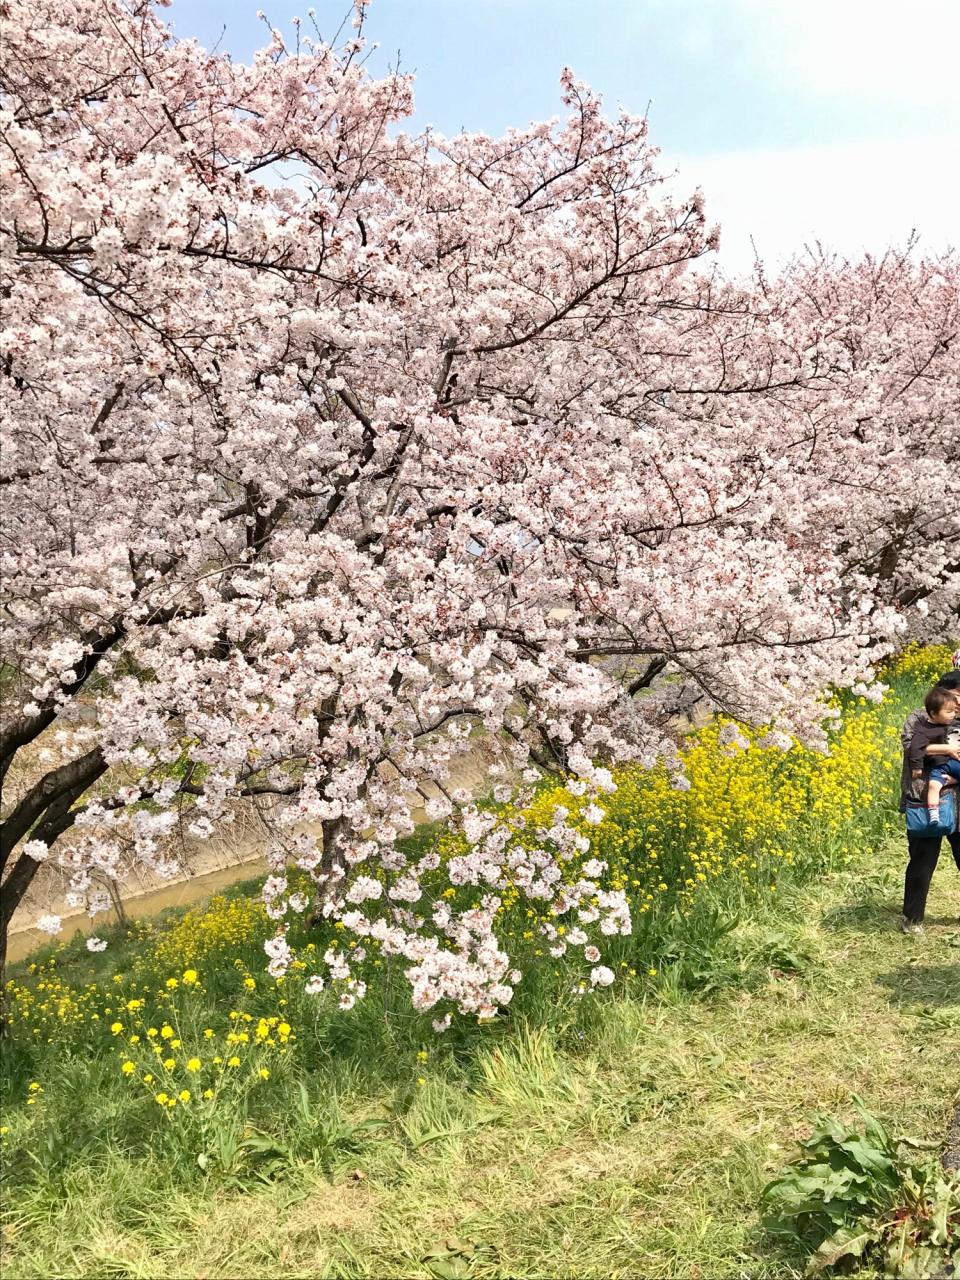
[801, 119]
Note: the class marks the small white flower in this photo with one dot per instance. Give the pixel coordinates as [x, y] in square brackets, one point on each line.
[314, 985]
[96, 944]
[49, 924]
[601, 976]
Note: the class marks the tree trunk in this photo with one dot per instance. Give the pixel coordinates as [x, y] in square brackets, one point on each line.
[331, 830]
[114, 891]
[48, 806]
[14, 887]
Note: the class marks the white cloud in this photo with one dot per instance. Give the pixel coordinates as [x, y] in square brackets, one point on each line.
[853, 197]
[878, 50]
[888, 73]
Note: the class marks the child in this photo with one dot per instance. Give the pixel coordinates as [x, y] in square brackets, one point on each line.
[941, 708]
[940, 774]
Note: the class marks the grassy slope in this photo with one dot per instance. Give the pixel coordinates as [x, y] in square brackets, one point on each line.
[639, 1151]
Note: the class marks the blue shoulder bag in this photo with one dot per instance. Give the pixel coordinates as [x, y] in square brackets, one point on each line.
[918, 820]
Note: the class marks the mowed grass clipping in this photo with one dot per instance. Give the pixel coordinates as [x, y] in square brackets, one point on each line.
[169, 1110]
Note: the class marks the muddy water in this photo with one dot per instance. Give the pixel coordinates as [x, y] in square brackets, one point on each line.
[178, 893]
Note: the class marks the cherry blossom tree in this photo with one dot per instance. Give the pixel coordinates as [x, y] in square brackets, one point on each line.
[882, 443]
[325, 444]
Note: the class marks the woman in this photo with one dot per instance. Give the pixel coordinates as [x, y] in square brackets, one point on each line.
[924, 851]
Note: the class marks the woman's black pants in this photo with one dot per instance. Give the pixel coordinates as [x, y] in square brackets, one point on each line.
[924, 852]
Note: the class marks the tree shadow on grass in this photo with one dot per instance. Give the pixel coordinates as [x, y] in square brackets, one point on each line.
[875, 915]
[927, 986]
[871, 915]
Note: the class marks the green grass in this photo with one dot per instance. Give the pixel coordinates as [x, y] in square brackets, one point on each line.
[630, 1136]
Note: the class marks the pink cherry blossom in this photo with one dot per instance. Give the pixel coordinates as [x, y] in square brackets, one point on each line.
[601, 976]
[327, 447]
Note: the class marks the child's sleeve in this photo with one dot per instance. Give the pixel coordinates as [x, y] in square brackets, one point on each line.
[922, 737]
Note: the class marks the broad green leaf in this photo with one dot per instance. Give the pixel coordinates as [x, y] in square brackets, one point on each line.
[452, 1268]
[842, 1244]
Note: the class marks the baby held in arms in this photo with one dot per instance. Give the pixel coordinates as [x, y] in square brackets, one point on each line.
[941, 706]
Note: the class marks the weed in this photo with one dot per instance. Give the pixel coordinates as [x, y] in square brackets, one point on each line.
[859, 1192]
